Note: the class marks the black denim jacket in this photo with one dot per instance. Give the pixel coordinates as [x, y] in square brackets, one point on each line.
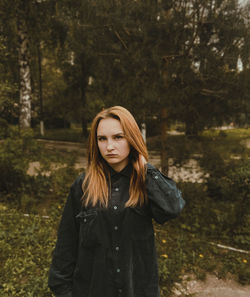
[82, 266]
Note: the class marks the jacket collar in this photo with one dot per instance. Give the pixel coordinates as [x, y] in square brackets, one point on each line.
[126, 171]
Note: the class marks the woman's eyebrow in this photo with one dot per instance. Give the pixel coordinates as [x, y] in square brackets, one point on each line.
[118, 133]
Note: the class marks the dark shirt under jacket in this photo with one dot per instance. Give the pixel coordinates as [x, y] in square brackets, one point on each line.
[111, 252]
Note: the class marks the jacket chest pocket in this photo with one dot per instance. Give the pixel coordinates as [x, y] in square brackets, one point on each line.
[88, 233]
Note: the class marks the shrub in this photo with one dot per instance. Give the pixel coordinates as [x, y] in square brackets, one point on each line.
[185, 245]
[16, 152]
[3, 128]
[54, 175]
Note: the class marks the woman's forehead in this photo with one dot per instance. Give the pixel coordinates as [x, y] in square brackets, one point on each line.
[109, 126]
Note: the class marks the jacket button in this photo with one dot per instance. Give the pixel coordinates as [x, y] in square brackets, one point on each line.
[115, 207]
[118, 270]
[117, 189]
[85, 220]
[117, 248]
[156, 177]
[116, 228]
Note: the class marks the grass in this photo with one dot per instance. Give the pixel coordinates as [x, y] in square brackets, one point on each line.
[233, 134]
[183, 253]
[26, 244]
[184, 244]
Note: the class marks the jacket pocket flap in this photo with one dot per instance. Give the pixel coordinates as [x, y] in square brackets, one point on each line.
[86, 215]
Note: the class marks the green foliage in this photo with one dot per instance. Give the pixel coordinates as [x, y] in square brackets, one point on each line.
[227, 162]
[3, 128]
[143, 55]
[233, 184]
[27, 241]
[61, 179]
[73, 135]
[217, 211]
[8, 82]
[185, 245]
[26, 244]
[220, 220]
[17, 153]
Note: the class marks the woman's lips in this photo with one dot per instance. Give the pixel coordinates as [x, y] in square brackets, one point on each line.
[111, 155]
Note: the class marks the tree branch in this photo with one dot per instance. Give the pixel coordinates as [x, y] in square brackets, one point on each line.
[119, 37]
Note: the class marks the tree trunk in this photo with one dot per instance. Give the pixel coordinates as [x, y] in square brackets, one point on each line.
[40, 88]
[191, 130]
[24, 72]
[83, 87]
[144, 132]
[84, 111]
[164, 156]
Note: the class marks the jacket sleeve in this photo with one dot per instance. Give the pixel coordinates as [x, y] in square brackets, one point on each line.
[165, 199]
[65, 252]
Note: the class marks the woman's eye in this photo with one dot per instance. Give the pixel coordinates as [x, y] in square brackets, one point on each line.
[118, 137]
[101, 138]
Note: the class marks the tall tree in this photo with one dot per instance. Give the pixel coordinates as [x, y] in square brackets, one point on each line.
[24, 64]
[20, 27]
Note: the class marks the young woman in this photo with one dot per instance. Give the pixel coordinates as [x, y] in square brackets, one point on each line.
[105, 245]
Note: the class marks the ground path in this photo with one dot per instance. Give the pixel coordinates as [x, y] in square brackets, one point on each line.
[189, 172]
[211, 287]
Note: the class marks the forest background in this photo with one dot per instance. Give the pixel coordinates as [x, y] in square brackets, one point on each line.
[181, 67]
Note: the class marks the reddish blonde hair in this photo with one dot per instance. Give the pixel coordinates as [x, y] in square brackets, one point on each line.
[97, 179]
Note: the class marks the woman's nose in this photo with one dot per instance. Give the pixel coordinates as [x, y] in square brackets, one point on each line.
[110, 145]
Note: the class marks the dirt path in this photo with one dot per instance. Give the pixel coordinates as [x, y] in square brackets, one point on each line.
[212, 287]
[189, 172]
[247, 143]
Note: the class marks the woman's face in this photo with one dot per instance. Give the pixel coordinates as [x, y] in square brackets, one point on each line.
[112, 144]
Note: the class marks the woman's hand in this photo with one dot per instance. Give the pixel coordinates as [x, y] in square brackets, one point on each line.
[142, 160]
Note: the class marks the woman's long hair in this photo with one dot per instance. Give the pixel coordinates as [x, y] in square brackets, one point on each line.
[97, 179]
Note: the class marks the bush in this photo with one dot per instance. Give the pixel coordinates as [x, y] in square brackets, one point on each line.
[187, 245]
[72, 135]
[52, 122]
[3, 128]
[233, 184]
[27, 241]
[16, 152]
[55, 172]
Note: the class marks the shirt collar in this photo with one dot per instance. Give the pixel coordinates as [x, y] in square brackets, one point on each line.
[126, 171]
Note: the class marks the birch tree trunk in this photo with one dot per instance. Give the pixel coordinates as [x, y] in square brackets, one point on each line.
[24, 72]
[39, 54]
[83, 88]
